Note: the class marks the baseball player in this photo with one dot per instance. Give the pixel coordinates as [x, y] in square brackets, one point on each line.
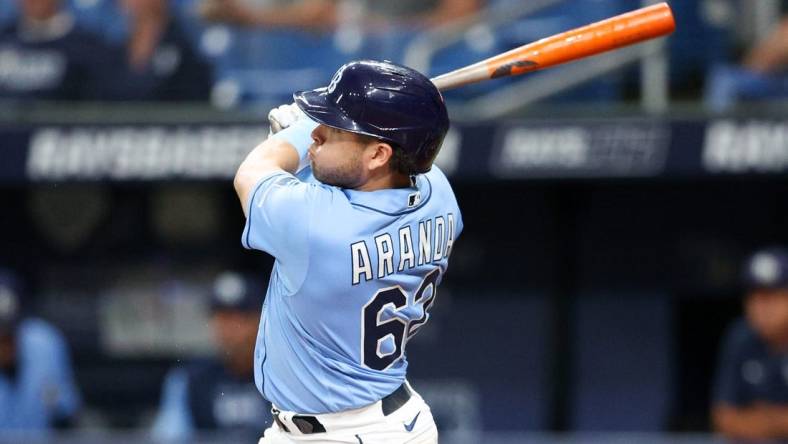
[38, 391]
[751, 388]
[361, 235]
[213, 394]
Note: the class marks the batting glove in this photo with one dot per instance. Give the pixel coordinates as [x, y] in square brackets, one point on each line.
[283, 116]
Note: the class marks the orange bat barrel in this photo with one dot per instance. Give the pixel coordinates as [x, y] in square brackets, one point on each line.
[616, 32]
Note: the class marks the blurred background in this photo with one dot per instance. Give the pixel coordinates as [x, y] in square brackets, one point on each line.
[609, 207]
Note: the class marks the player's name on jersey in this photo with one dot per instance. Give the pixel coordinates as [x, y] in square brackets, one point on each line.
[400, 251]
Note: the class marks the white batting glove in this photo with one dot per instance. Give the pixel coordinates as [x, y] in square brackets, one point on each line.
[283, 116]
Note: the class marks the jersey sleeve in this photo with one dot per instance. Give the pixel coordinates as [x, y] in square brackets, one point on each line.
[45, 353]
[728, 385]
[439, 180]
[280, 211]
[68, 399]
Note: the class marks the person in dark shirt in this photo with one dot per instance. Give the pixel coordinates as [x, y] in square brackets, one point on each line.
[219, 395]
[751, 388]
[46, 56]
[163, 65]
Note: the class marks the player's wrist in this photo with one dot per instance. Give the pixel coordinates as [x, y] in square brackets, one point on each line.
[299, 136]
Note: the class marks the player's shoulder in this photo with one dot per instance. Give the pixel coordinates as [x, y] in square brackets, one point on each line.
[436, 174]
[438, 180]
[294, 188]
[38, 334]
[440, 186]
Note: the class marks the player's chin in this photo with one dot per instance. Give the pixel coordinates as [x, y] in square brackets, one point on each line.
[332, 178]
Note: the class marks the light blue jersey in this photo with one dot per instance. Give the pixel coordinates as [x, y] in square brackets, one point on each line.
[44, 389]
[354, 278]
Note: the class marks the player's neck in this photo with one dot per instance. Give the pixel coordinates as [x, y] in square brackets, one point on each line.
[385, 181]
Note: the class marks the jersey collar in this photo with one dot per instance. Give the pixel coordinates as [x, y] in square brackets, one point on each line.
[393, 201]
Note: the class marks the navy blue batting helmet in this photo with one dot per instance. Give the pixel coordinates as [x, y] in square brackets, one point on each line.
[390, 102]
[767, 268]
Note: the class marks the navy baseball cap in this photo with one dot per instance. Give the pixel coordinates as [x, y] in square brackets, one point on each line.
[237, 291]
[10, 287]
[767, 268]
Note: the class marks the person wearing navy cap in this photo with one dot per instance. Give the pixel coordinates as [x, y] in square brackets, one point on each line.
[751, 388]
[37, 388]
[218, 394]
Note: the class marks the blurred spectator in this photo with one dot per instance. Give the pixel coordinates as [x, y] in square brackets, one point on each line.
[751, 390]
[46, 56]
[163, 64]
[309, 14]
[37, 389]
[771, 54]
[324, 14]
[219, 394]
[422, 13]
[763, 74]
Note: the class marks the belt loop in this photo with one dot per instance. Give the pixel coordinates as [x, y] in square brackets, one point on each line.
[275, 413]
[285, 420]
[297, 424]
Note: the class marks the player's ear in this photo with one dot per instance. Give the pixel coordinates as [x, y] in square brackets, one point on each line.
[379, 154]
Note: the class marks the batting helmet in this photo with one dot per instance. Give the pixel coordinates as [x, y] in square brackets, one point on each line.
[390, 102]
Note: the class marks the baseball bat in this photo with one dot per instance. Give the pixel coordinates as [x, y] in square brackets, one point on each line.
[616, 32]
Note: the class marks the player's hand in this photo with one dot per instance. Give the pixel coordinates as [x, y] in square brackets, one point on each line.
[283, 116]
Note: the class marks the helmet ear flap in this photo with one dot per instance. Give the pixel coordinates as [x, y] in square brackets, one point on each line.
[429, 152]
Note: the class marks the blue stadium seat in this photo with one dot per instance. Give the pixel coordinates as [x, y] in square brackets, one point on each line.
[561, 17]
[185, 12]
[728, 85]
[220, 45]
[8, 12]
[622, 362]
[480, 43]
[101, 16]
[239, 87]
[698, 43]
[268, 66]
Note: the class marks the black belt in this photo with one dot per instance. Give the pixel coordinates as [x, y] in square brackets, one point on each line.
[309, 424]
